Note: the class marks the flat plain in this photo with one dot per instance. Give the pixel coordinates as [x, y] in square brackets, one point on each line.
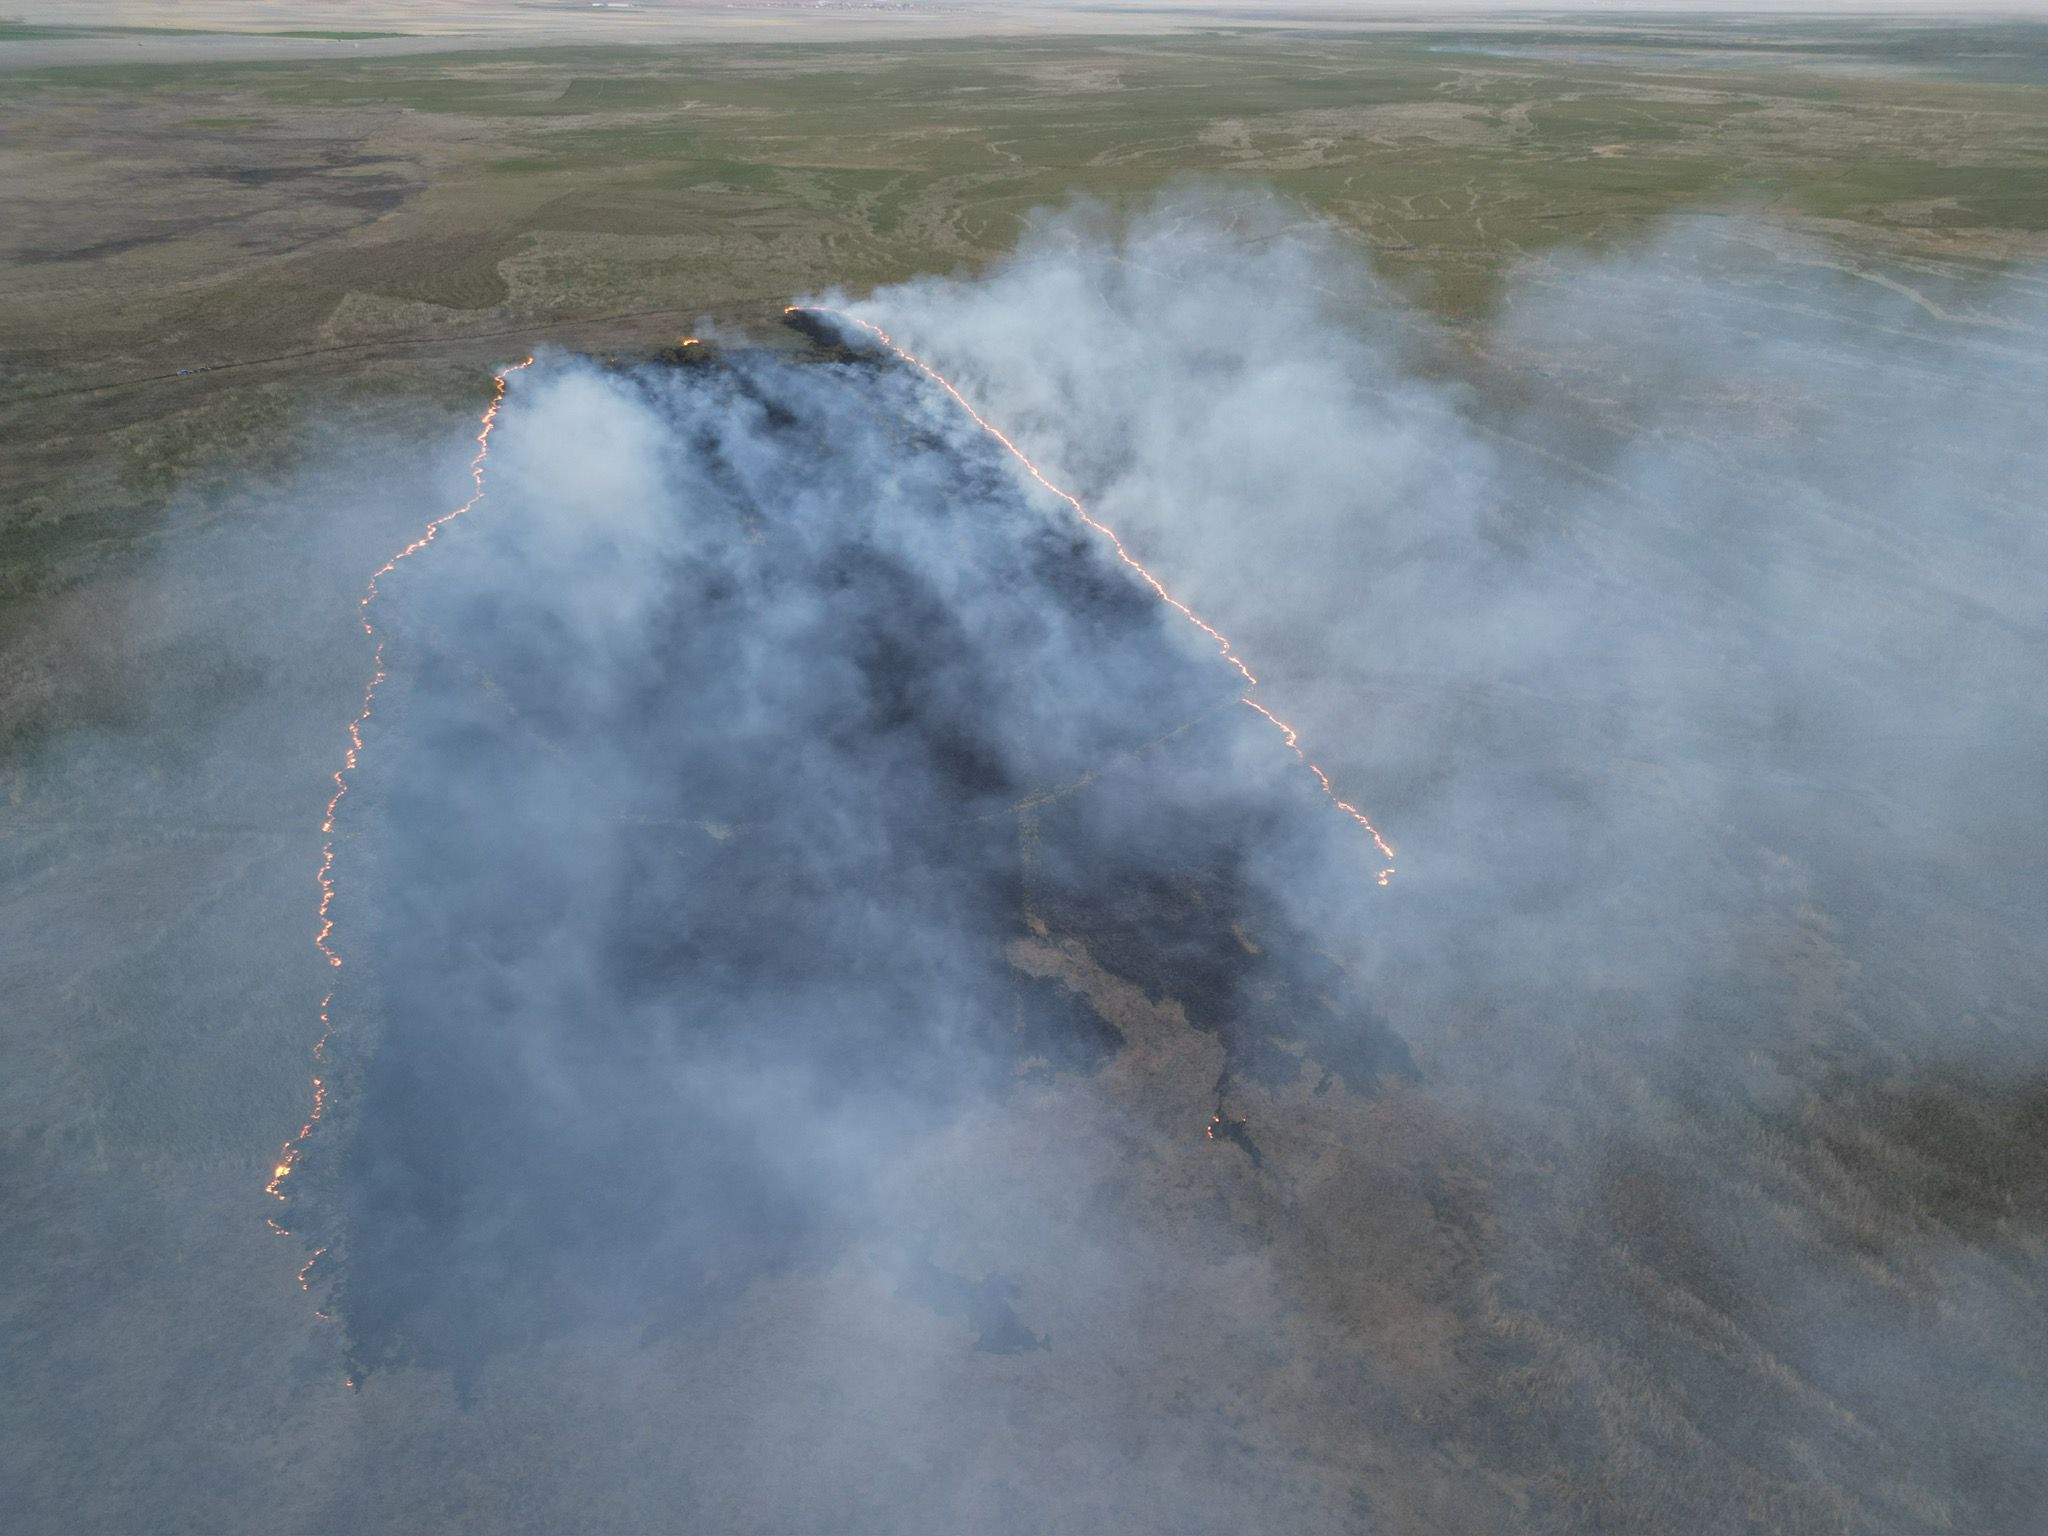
[217, 271]
[193, 246]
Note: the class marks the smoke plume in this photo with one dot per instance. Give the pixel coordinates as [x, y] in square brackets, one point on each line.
[851, 1024]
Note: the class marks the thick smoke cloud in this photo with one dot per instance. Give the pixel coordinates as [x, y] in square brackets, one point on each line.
[1684, 626]
[760, 718]
[1756, 562]
[809, 901]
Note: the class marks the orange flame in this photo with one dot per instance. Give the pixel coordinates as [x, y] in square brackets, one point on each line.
[293, 1149]
[1223, 645]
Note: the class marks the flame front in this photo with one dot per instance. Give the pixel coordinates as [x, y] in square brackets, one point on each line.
[293, 1149]
[1223, 645]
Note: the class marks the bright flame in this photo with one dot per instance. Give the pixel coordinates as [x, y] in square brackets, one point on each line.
[1223, 645]
[288, 1157]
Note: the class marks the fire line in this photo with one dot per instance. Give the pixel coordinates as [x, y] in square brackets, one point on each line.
[288, 1157]
[1223, 645]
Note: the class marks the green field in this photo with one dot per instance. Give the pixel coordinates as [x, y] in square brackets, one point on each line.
[286, 225]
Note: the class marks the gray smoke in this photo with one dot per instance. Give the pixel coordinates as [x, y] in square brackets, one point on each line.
[760, 722]
[1730, 585]
[851, 1025]
[819, 881]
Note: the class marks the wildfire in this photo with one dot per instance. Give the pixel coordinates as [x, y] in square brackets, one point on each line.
[288, 1157]
[1223, 645]
[353, 755]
